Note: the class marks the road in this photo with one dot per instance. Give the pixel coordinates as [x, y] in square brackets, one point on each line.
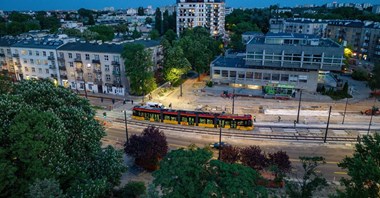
[332, 153]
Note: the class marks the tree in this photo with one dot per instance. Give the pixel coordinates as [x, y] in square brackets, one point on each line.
[374, 82]
[363, 168]
[175, 64]
[279, 163]
[311, 180]
[253, 157]
[132, 190]
[360, 74]
[45, 188]
[158, 21]
[140, 11]
[149, 21]
[170, 35]
[136, 34]
[72, 32]
[230, 154]
[104, 33]
[148, 148]
[121, 28]
[138, 68]
[192, 173]
[154, 34]
[48, 132]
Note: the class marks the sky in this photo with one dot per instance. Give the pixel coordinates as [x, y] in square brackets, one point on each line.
[100, 4]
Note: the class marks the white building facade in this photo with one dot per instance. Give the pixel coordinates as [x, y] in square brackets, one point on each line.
[205, 13]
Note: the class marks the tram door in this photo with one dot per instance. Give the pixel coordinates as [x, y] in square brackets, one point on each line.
[233, 124]
[191, 120]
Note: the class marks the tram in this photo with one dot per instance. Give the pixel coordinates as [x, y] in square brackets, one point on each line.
[192, 118]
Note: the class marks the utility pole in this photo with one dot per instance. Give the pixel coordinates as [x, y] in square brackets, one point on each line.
[85, 90]
[181, 90]
[126, 126]
[327, 127]
[299, 108]
[345, 109]
[220, 142]
[372, 113]
[233, 102]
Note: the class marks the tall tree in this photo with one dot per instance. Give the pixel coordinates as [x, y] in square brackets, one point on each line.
[138, 67]
[175, 64]
[148, 148]
[104, 33]
[49, 132]
[311, 180]
[363, 168]
[230, 154]
[374, 81]
[45, 188]
[253, 157]
[140, 11]
[158, 21]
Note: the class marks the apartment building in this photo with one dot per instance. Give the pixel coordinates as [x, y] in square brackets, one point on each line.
[93, 67]
[281, 60]
[298, 25]
[6, 60]
[36, 58]
[204, 13]
[370, 49]
[349, 31]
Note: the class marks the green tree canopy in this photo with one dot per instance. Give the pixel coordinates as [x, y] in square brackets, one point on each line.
[363, 168]
[154, 34]
[374, 81]
[48, 132]
[175, 64]
[105, 33]
[138, 67]
[192, 173]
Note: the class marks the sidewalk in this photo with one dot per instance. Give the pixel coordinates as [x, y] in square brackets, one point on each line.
[358, 126]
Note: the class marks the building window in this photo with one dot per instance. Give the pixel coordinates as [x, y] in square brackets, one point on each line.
[87, 56]
[217, 72]
[258, 76]
[61, 54]
[47, 71]
[30, 52]
[38, 61]
[241, 76]
[51, 54]
[43, 53]
[225, 73]
[78, 56]
[37, 53]
[302, 78]
[33, 69]
[89, 75]
[70, 55]
[106, 57]
[249, 75]
[266, 76]
[26, 69]
[31, 61]
[40, 70]
[23, 52]
[275, 77]
[293, 78]
[90, 86]
[233, 74]
[45, 62]
[96, 57]
[285, 77]
[108, 77]
[25, 61]
[116, 58]
[106, 68]
[71, 64]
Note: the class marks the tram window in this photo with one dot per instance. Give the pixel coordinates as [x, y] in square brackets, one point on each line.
[135, 113]
[184, 119]
[174, 118]
[240, 123]
[228, 122]
[202, 120]
[166, 117]
[210, 121]
[249, 122]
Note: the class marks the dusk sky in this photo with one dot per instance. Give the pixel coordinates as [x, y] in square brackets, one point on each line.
[99, 4]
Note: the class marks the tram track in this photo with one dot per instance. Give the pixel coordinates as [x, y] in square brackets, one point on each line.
[242, 134]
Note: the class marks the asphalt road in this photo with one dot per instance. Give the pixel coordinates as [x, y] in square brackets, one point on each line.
[332, 153]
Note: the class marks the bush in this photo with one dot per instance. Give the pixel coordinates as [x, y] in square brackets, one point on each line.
[360, 74]
[132, 190]
[209, 84]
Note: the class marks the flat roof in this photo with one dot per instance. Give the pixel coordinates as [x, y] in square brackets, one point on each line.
[7, 42]
[39, 43]
[223, 61]
[92, 47]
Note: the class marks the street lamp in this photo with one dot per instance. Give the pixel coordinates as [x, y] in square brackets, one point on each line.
[299, 108]
[220, 141]
[126, 126]
[372, 113]
[327, 127]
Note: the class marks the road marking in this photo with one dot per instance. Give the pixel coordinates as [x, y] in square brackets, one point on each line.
[297, 160]
[177, 145]
[340, 173]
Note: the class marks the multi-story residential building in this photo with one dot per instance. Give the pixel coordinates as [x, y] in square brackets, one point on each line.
[281, 60]
[349, 31]
[376, 9]
[204, 13]
[370, 49]
[299, 26]
[36, 58]
[6, 60]
[93, 67]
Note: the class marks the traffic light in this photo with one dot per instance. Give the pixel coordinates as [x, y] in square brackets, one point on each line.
[104, 114]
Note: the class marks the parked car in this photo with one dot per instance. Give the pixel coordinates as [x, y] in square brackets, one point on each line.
[216, 145]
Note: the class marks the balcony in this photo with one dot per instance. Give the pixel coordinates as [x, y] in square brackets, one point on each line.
[95, 61]
[63, 68]
[52, 67]
[15, 55]
[63, 77]
[98, 81]
[117, 82]
[115, 63]
[116, 72]
[53, 75]
[79, 70]
[2, 55]
[78, 60]
[97, 71]
[80, 78]
[61, 59]
[51, 58]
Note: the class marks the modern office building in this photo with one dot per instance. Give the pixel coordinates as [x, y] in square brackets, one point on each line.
[280, 60]
[36, 58]
[205, 13]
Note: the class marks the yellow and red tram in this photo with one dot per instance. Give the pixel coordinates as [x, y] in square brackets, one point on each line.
[193, 118]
